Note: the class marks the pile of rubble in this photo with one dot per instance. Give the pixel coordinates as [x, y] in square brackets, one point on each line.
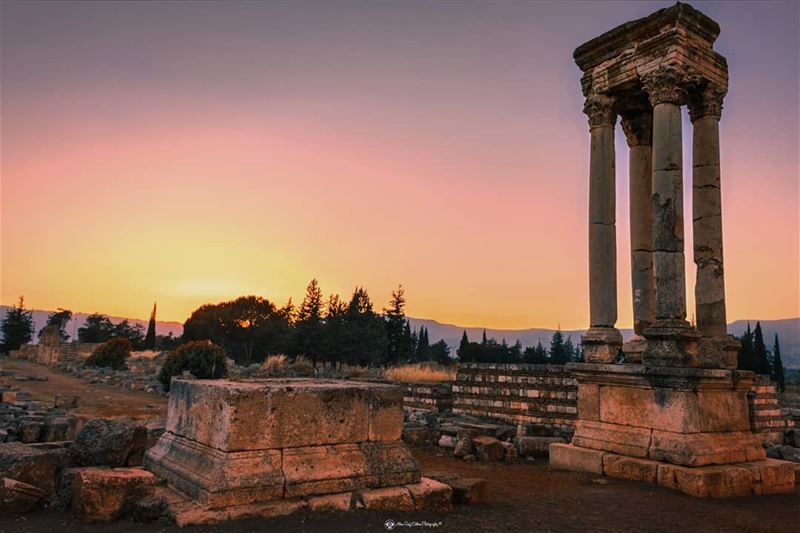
[27, 421]
[97, 475]
[479, 439]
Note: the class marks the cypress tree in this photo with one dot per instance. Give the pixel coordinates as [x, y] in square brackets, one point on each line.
[150, 337]
[423, 345]
[777, 367]
[483, 341]
[761, 355]
[746, 358]
[463, 347]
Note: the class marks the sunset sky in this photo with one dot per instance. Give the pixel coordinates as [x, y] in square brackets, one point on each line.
[188, 153]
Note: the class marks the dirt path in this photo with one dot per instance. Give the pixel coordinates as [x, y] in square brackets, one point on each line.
[96, 400]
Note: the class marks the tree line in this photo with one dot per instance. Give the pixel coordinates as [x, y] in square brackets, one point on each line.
[329, 329]
[490, 351]
[18, 329]
[754, 355]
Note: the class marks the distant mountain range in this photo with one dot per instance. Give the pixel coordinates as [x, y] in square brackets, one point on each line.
[788, 331]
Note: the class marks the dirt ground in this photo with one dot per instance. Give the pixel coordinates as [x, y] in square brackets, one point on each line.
[96, 400]
[523, 498]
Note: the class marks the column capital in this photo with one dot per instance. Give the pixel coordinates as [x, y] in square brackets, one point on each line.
[664, 86]
[638, 128]
[705, 100]
[601, 110]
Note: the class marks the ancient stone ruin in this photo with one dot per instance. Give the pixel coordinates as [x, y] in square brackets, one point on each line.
[275, 446]
[676, 411]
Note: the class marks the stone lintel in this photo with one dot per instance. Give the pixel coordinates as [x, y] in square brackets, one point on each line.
[679, 36]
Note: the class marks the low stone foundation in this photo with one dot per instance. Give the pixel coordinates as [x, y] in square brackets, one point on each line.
[239, 448]
[768, 476]
[433, 397]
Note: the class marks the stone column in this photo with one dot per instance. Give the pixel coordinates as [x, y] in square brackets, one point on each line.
[638, 130]
[671, 340]
[602, 342]
[705, 109]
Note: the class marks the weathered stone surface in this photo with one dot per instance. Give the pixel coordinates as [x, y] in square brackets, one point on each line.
[623, 439]
[231, 415]
[417, 436]
[191, 515]
[601, 344]
[40, 468]
[387, 499]
[59, 429]
[103, 494]
[431, 495]
[30, 431]
[464, 446]
[446, 441]
[488, 448]
[699, 449]
[114, 443]
[215, 477]
[342, 501]
[18, 497]
[675, 410]
[724, 481]
[571, 457]
[466, 491]
[630, 468]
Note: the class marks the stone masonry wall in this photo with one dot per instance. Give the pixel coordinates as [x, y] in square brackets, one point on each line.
[537, 395]
[766, 415]
[434, 397]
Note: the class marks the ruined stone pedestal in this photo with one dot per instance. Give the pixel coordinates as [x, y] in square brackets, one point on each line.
[685, 428]
[230, 444]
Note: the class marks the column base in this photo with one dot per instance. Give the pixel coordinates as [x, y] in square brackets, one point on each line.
[769, 476]
[719, 352]
[601, 344]
[671, 343]
[633, 349]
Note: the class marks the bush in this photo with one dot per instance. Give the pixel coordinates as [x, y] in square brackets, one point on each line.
[111, 354]
[420, 374]
[202, 359]
[274, 365]
[301, 366]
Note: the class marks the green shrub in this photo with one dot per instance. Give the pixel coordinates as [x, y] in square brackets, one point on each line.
[202, 359]
[111, 354]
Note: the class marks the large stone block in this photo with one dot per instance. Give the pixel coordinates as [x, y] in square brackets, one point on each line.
[626, 440]
[40, 468]
[699, 449]
[387, 499]
[431, 495]
[18, 497]
[674, 409]
[630, 468]
[282, 413]
[106, 442]
[103, 494]
[571, 457]
[215, 477]
[347, 467]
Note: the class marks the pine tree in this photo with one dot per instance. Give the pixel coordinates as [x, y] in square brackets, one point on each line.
[760, 352]
[777, 367]
[558, 355]
[309, 326]
[569, 350]
[395, 326]
[17, 326]
[407, 344]
[150, 337]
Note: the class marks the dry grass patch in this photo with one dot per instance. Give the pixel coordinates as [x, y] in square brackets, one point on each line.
[420, 374]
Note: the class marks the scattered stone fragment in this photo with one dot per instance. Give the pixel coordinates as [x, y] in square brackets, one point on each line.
[66, 401]
[446, 441]
[416, 436]
[104, 494]
[342, 501]
[40, 468]
[18, 497]
[511, 453]
[113, 443]
[464, 447]
[466, 491]
[488, 449]
[387, 499]
[535, 446]
[431, 495]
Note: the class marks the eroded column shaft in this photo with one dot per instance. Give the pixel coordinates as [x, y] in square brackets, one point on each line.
[707, 228]
[667, 204]
[638, 132]
[602, 228]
